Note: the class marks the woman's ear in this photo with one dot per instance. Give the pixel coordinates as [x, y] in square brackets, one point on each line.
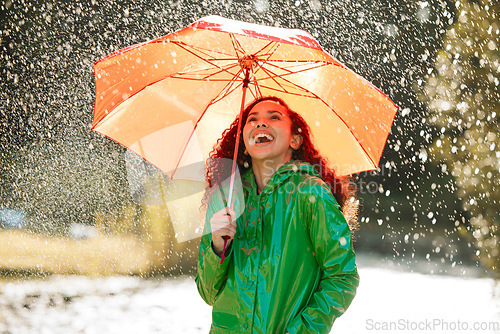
[296, 142]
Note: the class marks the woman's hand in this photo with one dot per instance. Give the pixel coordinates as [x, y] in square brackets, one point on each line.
[223, 223]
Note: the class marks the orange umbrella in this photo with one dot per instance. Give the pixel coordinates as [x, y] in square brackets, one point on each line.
[170, 99]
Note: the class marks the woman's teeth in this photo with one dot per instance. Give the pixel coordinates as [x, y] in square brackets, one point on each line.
[263, 138]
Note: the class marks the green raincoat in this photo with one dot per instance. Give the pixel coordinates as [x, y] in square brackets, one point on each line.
[291, 267]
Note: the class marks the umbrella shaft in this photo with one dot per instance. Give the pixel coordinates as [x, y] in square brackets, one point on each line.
[237, 144]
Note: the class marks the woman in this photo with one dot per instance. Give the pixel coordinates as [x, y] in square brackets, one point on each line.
[289, 263]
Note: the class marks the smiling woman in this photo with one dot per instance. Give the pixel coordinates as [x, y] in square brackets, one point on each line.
[289, 266]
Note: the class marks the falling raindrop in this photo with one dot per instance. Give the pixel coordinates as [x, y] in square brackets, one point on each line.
[261, 6]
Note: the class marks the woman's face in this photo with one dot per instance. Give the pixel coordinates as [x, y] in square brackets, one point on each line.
[267, 133]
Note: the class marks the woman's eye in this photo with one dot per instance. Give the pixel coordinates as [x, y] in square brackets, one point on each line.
[275, 117]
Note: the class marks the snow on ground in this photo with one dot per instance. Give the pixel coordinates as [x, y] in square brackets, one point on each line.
[388, 301]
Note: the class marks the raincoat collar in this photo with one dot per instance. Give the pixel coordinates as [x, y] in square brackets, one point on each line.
[280, 176]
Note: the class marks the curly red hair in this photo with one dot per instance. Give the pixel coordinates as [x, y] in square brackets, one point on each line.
[224, 148]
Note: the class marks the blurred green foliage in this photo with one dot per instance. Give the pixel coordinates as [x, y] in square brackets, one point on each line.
[463, 97]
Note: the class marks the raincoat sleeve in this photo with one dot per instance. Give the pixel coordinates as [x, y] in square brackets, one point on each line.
[211, 274]
[331, 240]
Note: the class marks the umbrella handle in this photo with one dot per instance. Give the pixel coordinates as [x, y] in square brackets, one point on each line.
[223, 255]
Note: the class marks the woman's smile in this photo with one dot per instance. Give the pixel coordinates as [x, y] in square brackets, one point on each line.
[262, 138]
[267, 132]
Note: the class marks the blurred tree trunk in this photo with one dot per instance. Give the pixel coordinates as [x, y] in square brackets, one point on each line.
[463, 96]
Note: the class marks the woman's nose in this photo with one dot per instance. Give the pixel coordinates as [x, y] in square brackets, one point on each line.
[261, 124]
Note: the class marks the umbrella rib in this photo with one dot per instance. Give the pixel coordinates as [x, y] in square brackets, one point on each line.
[206, 52]
[194, 79]
[179, 75]
[294, 72]
[214, 100]
[228, 91]
[198, 56]
[112, 114]
[264, 60]
[258, 92]
[220, 98]
[226, 88]
[197, 72]
[307, 61]
[294, 85]
[252, 93]
[236, 46]
[286, 92]
[275, 46]
[288, 68]
[318, 63]
[273, 77]
[257, 89]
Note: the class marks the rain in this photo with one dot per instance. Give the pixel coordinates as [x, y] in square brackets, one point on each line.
[88, 245]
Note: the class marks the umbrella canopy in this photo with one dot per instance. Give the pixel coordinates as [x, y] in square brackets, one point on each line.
[170, 99]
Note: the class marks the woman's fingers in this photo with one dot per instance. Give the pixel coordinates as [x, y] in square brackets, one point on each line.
[223, 223]
[227, 212]
[226, 215]
[220, 227]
